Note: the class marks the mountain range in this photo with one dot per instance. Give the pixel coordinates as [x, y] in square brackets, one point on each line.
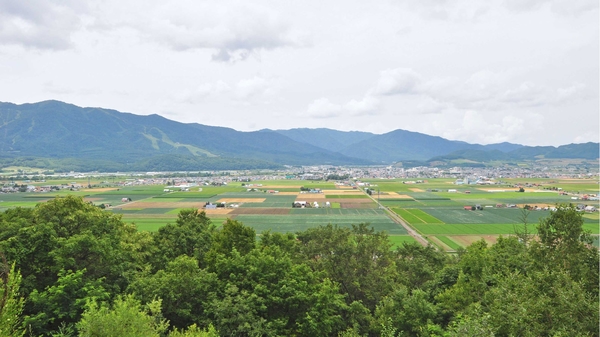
[58, 130]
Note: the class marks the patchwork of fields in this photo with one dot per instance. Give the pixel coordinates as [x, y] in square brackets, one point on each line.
[429, 207]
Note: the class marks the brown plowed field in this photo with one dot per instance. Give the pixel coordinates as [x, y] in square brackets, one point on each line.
[466, 240]
[219, 211]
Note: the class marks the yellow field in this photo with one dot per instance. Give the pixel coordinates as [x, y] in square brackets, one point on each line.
[392, 195]
[416, 190]
[218, 211]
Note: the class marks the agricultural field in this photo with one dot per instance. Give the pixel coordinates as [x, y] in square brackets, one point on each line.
[428, 207]
[436, 207]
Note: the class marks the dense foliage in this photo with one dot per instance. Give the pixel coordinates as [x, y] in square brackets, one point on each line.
[80, 271]
[166, 162]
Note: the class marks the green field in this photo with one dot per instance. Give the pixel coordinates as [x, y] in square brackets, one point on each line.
[447, 241]
[416, 216]
[294, 223]
[462, 229]
[431, 209]
[398, 240]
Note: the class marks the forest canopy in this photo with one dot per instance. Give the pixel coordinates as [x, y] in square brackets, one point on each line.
[70, 268]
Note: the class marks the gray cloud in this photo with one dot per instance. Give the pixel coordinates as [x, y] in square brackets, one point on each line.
[233, 31]
[38, 24]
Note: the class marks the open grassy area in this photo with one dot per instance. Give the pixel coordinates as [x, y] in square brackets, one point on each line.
[398, 240]
[447, 241]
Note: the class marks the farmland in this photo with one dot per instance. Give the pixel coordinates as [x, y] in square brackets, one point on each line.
[434, 208]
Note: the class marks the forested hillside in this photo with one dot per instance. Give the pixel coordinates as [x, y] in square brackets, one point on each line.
[72, 269]
[64, 137]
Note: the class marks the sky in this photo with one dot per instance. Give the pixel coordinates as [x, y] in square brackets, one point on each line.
[520, 71]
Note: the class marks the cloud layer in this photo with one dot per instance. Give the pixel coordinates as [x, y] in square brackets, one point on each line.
[500, 70]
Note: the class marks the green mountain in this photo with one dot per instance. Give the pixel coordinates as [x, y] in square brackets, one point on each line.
[580, 151]
[332, 140]
[56, 134]
[401, 145]
[60, 130]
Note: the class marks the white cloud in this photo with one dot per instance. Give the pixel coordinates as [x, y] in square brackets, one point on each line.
[397, 81]
[255, 86]
[323, 108]
[39, 24]
[560, 7]
[369, 105]
[233, 31]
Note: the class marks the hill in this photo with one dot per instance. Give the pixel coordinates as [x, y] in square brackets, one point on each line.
[60, 130]
[332, 140]
[103, 139]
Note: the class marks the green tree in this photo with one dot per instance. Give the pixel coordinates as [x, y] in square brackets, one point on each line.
[194, 331]
[564, 244]
[184, 288]
[417, 265]
[542, 303]
[234, 236]
[191, 235]
[359, 259]
[68, 234]
[265, 293]
[11, 303]
[125, 318]
[63, 302]
[405, 311]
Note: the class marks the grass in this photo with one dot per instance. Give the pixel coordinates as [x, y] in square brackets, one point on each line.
[398, 240]
[416, 216]
[448, 242]
[407, 216]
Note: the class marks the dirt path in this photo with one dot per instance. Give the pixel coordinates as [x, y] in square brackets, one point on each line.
[420, 239]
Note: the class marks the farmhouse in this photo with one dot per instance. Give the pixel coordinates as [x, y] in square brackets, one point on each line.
[299, 204]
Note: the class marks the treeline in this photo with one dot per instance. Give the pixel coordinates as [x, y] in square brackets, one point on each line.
[166, 162]
[80, 271]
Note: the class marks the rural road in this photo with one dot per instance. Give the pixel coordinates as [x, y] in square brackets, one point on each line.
[420, 239]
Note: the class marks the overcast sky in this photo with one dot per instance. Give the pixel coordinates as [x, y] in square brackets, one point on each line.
[523, 71]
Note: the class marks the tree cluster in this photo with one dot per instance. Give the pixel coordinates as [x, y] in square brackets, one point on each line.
[80, 271]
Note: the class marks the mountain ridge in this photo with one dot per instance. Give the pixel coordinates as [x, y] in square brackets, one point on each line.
[55, 129]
